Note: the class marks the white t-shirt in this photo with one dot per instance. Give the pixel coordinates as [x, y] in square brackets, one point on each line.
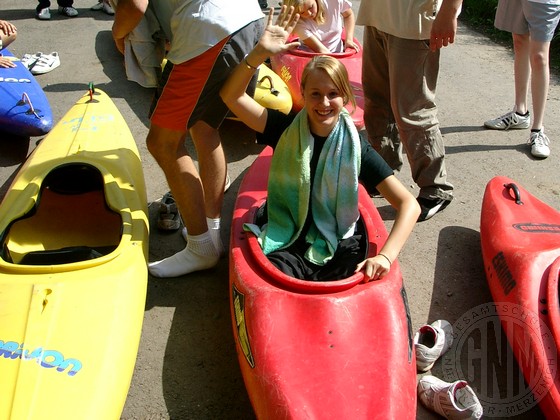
[195, 26]
[330, 32]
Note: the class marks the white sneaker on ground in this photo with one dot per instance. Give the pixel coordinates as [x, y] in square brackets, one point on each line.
[430, 342]
[44, 14]
[68, 11]
[539, 144]
[106, 7]
[29, 60]
[455, 401]
[46, 63]
[510, 120]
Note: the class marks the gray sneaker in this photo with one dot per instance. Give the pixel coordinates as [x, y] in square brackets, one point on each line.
[68, 11]
[510, 120]
[44, 14]
[539, 144]
[455, 401]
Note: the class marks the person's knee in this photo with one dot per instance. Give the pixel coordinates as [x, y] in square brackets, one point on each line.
[539, 60]
[164, 145]
[204, 136]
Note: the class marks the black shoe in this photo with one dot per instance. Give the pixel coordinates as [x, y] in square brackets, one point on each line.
[431, 206]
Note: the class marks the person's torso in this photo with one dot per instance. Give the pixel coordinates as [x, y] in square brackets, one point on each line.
[409, 19]
[195, 26]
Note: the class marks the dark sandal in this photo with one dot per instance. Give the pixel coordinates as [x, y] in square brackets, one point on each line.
[168, 217]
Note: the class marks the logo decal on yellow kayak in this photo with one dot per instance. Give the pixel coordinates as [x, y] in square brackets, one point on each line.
[242, 335]
[94, 123]
[46, 358]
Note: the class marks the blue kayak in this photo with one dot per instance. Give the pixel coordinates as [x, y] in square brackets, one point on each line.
[24, 108]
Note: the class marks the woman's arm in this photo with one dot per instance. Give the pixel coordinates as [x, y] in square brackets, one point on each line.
[408, 211]
[273, 41]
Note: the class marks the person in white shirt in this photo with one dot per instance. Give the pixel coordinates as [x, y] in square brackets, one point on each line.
[207, 40]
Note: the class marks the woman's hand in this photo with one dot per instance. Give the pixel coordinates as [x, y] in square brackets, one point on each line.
[7, 28]
[275, 36]
[374, 268]
[6, 63]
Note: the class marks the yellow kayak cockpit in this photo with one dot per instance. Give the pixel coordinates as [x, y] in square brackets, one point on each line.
[70, 222]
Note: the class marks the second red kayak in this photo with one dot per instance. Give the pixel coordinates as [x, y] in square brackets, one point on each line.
[520, 238]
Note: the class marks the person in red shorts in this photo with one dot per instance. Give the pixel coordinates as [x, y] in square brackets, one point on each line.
[207, 40]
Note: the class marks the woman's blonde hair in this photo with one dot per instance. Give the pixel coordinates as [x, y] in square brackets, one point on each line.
[336, 71]
[320, 18]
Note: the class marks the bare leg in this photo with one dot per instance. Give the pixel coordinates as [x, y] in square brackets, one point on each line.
[212, 166]
[168, 148]
[522, 71]
[540, 79]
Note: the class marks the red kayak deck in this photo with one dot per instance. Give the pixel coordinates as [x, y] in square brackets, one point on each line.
[318, 350]
[520, 237]
[289, 66]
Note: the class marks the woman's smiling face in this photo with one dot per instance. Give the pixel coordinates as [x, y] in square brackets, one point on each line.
[323, 102]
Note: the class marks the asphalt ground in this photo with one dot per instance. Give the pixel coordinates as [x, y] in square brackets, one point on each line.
[187, 365]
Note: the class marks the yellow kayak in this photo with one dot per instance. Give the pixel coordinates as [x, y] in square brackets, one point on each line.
[73, 274]
[271, 91]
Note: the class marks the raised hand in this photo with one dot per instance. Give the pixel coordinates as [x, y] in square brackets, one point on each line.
[275, 36]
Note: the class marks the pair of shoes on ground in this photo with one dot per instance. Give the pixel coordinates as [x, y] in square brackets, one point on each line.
[455, 400]
[539, 142]
[45, 14]
[429, 207]
[40, 63]
[102, 5]
[169, 217]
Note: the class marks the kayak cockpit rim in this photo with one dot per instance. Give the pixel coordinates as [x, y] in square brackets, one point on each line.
[272, 273]
[71, 220]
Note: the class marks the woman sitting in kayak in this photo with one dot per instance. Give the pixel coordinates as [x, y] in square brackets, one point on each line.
[318, 160]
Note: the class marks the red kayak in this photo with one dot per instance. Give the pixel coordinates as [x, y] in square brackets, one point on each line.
[318, 350]
[520, 238]
[289, 66]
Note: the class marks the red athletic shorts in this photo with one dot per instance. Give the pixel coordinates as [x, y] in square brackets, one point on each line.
[181, 89]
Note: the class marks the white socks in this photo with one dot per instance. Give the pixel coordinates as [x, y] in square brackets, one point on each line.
[214, 229]
[199, 254]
